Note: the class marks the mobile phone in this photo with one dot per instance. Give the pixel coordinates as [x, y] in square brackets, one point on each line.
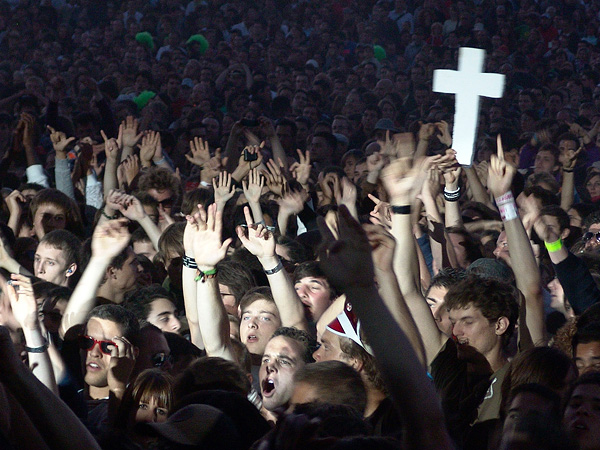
[249, 122]
[250, 156]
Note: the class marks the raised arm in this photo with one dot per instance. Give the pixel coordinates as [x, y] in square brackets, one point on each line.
[348, 265]
[208, 251]
[112, 151]
[25, 311]
[568, 161]
[383, 246]
[524, 265]
[129, 136]
[261, 243]
[108, 240]
[62, 172]
[400, 183]
[252, 190]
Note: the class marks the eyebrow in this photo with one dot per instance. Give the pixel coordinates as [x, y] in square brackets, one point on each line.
[165, 313]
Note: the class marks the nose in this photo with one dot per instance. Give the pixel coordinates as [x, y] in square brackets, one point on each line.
[252, 323]
[95, 351]
[317, 354]
[457, 330]
[301, 290]
[175, 324]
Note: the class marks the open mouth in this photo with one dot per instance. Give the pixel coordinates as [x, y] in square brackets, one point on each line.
[251, 338]
[92, 366]
[268, 388]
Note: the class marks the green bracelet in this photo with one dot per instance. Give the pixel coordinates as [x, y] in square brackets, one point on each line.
[107, 216]
[553, 246]
[202, 276]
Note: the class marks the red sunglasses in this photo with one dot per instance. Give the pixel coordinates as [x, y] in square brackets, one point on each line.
[87, 343]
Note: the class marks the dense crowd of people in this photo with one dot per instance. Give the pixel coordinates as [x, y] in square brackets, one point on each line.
[235, 224]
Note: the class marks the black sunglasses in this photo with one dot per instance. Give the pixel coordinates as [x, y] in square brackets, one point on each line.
[159, 359]
[589, 235]
[88, 343]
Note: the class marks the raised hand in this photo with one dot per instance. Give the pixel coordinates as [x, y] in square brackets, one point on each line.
[148, 147]
[398, 180]
[451, 170]
[206, 229]
[426, 130]
[569, 158]
[245, 166]
[301, 170]
[500, 174]
[110, 238]
[382, 246]
[122, 361]
[200, 153]
[60, 142]
[212, 167]
[132, 208]
[14, 201]
[128, 132]
[346, 195]
[22, 302]
[224, 191]
[131, 165]
[546, 230]
[292, 202]
[253, 186]
[445, 137]
[381, 214]
[274, 178]
[346, 261]
[111, 147]
[260, 241]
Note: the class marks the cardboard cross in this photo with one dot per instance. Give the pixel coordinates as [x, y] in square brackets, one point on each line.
[468, 83]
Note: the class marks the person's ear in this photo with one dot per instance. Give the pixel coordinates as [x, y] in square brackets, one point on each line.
[356, 364]
[71, 270]
[502, 325]
[111, 272]
[566, 232]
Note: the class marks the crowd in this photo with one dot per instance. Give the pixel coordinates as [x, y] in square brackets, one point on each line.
[240, 224]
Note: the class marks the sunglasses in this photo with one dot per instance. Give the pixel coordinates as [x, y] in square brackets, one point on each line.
[160, 359]
[87, 343]
[589, 235]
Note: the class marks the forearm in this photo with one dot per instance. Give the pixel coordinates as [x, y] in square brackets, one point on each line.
[568, 190]
[110, 176]
[421, 150]
[577, 282]
[231, 152]
[62, 176]
[128, 151]
[190, 304]
[478, 191]
[289, 305]
[93, 191]
[527, 277]
[213, 321]
[406, 268]
[395, 303]
[257, 213]
[11, 265]
[40, 363]
[278, 151]
[282, 221]
[151, 230]
[35, 174]
[83, 299]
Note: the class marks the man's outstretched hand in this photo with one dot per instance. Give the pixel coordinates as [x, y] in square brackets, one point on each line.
[347, 260]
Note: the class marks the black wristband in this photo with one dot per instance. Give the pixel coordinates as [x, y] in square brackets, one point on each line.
[41, 349]
[189, 262]
[400, 209]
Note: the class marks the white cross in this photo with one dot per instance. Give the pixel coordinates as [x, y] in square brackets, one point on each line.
[468, 83]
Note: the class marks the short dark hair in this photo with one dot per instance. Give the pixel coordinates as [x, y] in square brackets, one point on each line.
[312, 269]
[130, 327]
[254, 294]
[561, 215]
[56, 197]
[139, 302]
[543, 195]
[447, 277]
[491, 296]
[329, 138]
[65, 241]
[335, 382]
[585, 335]
[210, 373]
[192, 198]
[236, 277]
[308, 344]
